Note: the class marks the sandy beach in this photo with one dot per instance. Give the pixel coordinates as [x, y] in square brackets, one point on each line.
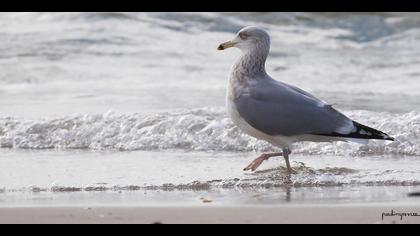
[209, 215]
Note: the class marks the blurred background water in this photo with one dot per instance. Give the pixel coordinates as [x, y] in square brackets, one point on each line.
[155, 82]
[66, 63]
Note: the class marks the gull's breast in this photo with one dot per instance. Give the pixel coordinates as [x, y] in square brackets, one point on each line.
[277, 140]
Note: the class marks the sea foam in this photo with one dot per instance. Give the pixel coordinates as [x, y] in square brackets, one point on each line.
[205, 129]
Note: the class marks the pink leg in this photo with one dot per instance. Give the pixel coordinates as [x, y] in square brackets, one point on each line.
[257, 162]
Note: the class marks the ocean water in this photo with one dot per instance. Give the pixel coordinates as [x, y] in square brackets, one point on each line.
[128, 101]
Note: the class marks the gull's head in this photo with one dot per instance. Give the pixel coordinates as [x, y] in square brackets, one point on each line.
[248, 38]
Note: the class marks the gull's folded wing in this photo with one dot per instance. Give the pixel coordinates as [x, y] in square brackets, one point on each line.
[276, 108]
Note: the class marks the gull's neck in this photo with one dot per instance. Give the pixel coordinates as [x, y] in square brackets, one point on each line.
[251, 64]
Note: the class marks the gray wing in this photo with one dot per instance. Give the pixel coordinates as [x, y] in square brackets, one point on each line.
[276, 108]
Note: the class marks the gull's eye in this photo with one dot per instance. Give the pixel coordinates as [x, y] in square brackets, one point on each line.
[243, 36]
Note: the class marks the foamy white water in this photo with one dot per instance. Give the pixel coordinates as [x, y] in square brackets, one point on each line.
[207, 129]
[164, 81]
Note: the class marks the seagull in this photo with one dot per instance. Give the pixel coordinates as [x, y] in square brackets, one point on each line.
[279, 113]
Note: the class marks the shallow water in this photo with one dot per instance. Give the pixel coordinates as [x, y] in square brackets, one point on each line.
[133, 101]
[86, 171]
[84, 178]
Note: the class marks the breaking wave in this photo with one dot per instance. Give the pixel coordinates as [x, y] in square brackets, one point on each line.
[205, 129]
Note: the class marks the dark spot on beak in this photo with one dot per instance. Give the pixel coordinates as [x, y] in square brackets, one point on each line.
[221, 47]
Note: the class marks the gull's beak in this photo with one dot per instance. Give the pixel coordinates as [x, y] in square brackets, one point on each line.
[226, 45]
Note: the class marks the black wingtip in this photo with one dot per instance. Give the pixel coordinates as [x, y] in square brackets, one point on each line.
[363, 132]
[390, 138]
[371, 133]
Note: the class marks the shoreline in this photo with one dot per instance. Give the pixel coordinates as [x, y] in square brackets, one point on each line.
[287, 214]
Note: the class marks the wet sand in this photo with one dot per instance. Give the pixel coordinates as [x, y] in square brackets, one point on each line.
[216, 206]
[291, 214]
